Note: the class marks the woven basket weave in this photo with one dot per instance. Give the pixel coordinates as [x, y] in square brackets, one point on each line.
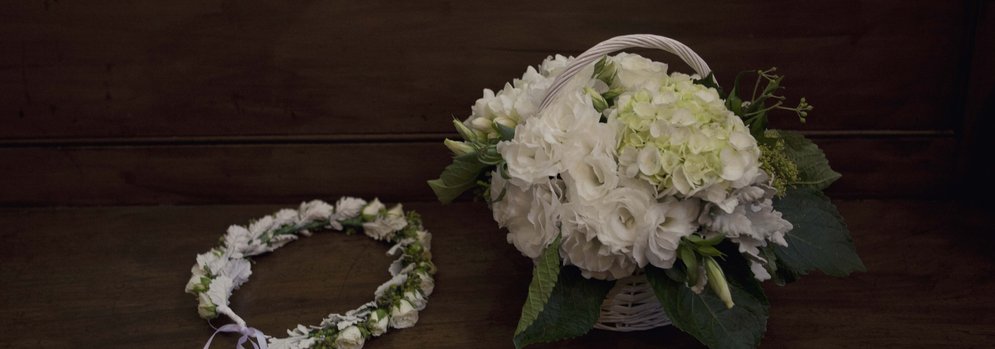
[631, 305]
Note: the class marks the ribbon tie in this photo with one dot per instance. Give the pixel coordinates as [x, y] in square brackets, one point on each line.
[246, 332]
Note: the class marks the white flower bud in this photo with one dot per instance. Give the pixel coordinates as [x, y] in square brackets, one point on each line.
[416, 299]
[205, 308]
[378, 322]
[403, 315]
[458, 148]
[372, 209]
[350, 338]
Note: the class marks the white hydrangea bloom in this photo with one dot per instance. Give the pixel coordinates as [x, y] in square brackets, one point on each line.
[751, 224]
[679, 136]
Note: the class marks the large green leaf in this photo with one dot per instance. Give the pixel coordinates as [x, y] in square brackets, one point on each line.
[544, 275]
[813, 167]
[819, 239]
[706, 317]
[572, 309]
[457, 178]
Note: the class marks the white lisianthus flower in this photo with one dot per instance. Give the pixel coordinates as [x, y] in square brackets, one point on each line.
[403, 315]
[238, 270]
[635, 71]
[582, 247]
[379, 320]
[595, 172]
[625, 215]
[530, 158]
[237, 239]
[314, 210]
[565, 117]
[372, 209]
[675, 220]
[350, 338]
[529, 215]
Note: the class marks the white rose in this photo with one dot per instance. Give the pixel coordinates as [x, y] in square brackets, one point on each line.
[350, 338]
[403, 315]
[676, 219]
[314, 210]
[372, 209]
[378, 322]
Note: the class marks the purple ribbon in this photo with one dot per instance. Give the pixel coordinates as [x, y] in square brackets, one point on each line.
[246, 333]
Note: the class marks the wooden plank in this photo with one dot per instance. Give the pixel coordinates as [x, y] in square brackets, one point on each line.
[203, 174]
[113, 278]
[105, 69]
[979, 107]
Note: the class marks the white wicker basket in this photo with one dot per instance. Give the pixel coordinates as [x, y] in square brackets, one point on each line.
[631, 304]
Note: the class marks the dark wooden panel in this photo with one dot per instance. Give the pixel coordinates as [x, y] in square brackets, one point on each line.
[979, 106]
[906, 167]
[208, 68]
[113, 278]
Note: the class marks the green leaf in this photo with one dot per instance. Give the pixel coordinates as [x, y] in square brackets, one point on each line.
[706, 317]
[819, 239]
[813, 167]
[572, 309]
[709, 81]
[457, 178]
[544, 276]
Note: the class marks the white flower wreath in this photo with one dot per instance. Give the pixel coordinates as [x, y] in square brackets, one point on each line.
[396, 303]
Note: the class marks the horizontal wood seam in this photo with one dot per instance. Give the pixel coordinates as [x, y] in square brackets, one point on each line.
[376, 138]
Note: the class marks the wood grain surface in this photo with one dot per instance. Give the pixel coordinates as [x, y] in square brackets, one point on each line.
[208, 68]
[82, 277]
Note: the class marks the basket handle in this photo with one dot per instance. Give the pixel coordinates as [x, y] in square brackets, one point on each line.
[619, 43]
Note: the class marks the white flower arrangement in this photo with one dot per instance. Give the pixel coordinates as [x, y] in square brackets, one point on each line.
[627, 169]
[397, 302]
